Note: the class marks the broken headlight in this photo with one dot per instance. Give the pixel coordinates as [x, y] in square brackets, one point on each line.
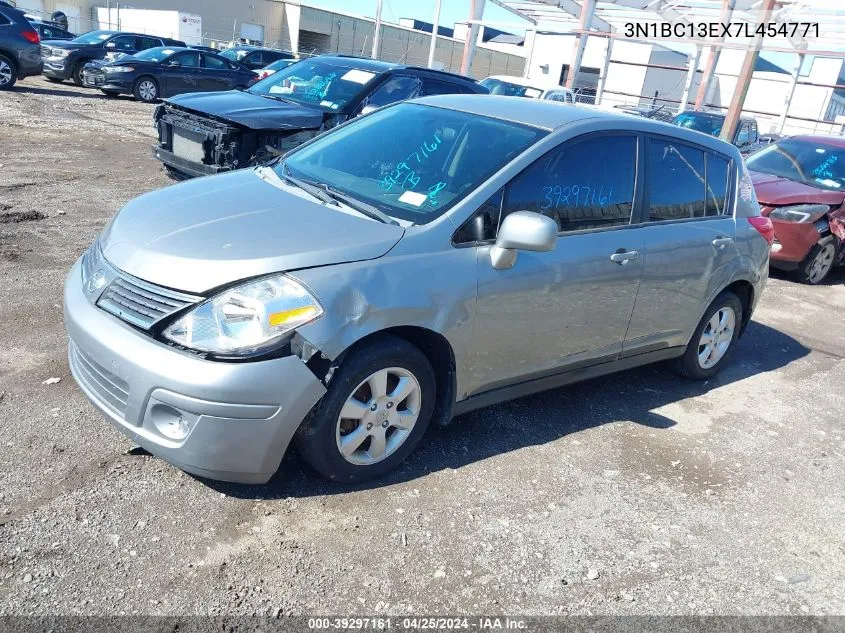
[801, 213]
[248, 318]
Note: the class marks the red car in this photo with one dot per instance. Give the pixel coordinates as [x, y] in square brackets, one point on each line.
[800, 183]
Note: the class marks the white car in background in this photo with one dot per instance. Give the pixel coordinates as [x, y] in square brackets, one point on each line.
[529, 88]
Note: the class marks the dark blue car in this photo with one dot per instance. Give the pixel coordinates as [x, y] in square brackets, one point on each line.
[166, 71]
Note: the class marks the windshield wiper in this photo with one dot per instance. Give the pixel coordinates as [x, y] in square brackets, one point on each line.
[309, 187]
[325, 193]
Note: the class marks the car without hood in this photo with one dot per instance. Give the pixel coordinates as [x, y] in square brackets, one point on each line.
[433, 257]
[203, 134]
[800, 182]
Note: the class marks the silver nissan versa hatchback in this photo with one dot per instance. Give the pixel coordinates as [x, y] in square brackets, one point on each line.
[433, 257]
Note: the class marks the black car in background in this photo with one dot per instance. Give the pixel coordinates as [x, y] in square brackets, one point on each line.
[201, 134]
[66, 59]
[19, 47]
[167, 71]
[255, 57]
[50, 31]
[746, 137]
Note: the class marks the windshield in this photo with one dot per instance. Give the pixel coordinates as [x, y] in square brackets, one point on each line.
[154, 54]
[235, 54]
[328, 85]
[411, 161]
[700, 122]
[507, 89]
[809, 162]
[93, 37]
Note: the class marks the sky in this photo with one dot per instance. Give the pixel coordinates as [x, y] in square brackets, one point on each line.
[457, 10]
[451, 11]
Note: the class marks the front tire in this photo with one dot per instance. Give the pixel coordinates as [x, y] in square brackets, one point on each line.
[378, 406]
[819, 262]
[713, 342]
[8, 73]
[146, 90]
[76, 76]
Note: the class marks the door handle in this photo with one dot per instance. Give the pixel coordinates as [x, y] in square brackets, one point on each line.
[722, 242]
[623, 257]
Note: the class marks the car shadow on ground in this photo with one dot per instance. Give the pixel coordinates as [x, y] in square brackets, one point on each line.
[534, 420]
[58, 91]
[835, 277]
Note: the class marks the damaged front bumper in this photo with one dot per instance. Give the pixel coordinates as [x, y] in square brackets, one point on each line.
[193, 145]
[221, 420]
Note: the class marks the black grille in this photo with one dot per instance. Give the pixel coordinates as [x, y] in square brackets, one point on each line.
[140, 303]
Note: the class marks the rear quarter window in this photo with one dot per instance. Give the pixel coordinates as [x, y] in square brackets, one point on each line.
[4, 20]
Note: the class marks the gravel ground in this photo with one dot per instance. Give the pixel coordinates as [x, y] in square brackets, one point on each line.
[638, 493]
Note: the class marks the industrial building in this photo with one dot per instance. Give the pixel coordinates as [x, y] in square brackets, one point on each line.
[808, 96]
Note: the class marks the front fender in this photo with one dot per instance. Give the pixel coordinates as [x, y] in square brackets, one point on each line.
[435, 291]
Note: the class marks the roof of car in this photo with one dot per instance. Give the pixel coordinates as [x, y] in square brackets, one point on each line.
[528, 83]
[550, 115]
[838, 141]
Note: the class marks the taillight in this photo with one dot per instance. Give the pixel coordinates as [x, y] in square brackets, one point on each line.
[31, 36]
[764, 227]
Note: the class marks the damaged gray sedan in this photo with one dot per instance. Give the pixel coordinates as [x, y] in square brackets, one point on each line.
[431, 258]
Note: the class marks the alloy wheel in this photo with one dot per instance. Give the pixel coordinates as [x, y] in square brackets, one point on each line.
[716, 337]
[147, 90]
[822, 263]
[5, 73]
[378, 416]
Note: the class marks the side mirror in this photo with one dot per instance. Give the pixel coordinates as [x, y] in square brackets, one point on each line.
[522, 231]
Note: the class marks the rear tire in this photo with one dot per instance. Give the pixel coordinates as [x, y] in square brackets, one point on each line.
[8, 73]
[819, 262]
[713, 342]
[387, 388]
[146, 90]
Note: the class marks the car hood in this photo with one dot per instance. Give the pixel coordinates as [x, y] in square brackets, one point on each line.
[208, 232]
[67, 44]
[249, 110]
[777, 191]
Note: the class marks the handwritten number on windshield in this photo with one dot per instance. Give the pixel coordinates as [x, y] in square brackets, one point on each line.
[404, 174]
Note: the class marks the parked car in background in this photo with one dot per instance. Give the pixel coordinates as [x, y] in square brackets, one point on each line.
[746, 137]
[276, 66]
[800, 182]
[203, 134]
[167, 71]
[19, 47]
[520, 87]
[66, 59]
[50, 31]
[435, 257]
[255, 57]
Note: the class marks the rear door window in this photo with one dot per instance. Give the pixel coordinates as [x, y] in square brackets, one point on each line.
[433, 87]
[675, 181]
[585, 184]
[215, 63]
[396, 88]
[148, 42]
[717, 170]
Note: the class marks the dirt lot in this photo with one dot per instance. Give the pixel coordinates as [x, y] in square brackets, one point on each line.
[636, 493]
